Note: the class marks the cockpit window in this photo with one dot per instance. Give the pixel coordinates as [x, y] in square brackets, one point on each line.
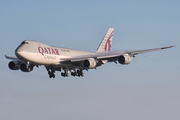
[24, 42]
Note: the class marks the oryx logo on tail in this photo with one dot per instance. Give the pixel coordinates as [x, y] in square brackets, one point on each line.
[106, 43]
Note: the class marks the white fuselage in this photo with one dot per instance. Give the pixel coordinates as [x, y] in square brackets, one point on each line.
[41, 54]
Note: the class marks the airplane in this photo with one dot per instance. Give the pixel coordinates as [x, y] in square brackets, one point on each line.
[32, 53]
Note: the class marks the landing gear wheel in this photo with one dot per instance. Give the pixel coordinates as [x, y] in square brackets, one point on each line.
[51, 74]
[73, 74]
[62, 74]
[79, 73]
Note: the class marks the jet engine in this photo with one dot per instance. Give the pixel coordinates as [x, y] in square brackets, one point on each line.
[24, 68]
[124, 59]
[89, 63]
[14, 65]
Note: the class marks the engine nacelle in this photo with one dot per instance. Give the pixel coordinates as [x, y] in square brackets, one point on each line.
[14, 65]
[23, 67]
[124, 59]
[89, 63]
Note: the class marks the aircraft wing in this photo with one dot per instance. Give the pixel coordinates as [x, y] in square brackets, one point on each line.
[11, 58]
[110, 55]
[150, 50]
[131, 52]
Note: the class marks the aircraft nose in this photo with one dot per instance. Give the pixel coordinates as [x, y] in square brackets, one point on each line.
[18, 52]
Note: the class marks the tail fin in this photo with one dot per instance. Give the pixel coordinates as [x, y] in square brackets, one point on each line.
[105, 45]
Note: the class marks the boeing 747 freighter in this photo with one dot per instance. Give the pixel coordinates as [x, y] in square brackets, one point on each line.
[31, 53]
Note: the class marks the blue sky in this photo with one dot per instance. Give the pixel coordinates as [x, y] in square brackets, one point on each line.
[146, 89]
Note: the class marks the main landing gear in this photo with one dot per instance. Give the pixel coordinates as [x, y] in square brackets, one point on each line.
[75, 73]
[78, 73]
[51, 74]
[65, 74]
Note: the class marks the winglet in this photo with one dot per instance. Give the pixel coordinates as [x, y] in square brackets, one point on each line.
[105, 45]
